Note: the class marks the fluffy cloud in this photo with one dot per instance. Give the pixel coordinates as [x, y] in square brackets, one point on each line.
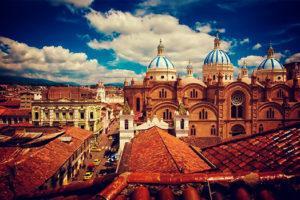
[76, 3]
[254, 60]
[245, 41]
[138, 36]
[208, 27]
[257, 46]
[54, 63]
[294, 58]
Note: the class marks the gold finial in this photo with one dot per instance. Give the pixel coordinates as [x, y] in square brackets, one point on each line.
[270, 51]
[217, 41]
[160, 48]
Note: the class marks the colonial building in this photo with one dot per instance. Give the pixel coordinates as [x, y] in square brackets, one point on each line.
[219, 104]
[71, 106]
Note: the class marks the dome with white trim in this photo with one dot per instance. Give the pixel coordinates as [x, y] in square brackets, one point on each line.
[160, 61]
[217, 56]
[270, 62]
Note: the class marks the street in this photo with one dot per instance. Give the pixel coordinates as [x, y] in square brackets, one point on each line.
[103, 143]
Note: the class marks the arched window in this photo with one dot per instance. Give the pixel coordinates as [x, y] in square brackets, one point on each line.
[138, 104]
[214, 77]
[261, 128]
[203, 114]
[226, 77]
[237, 105]
[167, 114]
[193, 93]
[213, 130]
[182, 124]
[163, 93]
[280, 94]
[270, 113]
[36, 115]
[126, 123]
[193, 130]
[237, 130]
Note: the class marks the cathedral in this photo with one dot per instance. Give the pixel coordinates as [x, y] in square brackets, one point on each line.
[219, 104]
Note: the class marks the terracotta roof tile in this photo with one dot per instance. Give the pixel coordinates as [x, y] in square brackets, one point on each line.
[155, 147]
[277, 150]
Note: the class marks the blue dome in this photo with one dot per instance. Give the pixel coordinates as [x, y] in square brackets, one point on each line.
[270, 63]
[217, 56]
[161, 62]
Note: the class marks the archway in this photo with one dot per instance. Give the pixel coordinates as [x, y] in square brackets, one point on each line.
[237, 130]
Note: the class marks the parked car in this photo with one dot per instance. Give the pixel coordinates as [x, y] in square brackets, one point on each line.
[96, 162]
[95, 149]
[88, 176]
[107, 171]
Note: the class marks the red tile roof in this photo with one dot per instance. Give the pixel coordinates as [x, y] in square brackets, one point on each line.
[155, 147]
[71, 93]
[152, 185]
[277, 150]
[11, 104]
[7, 112]
[35, 165]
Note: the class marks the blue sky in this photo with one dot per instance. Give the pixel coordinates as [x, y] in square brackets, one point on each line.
[85, 41]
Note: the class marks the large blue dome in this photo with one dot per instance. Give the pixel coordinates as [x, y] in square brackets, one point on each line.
[270, 63]
[161, 62]
[217, 56]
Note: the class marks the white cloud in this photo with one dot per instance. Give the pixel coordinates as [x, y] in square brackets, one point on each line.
[208, 27]
[294, 58]
[257, 46]
[76, 3]
[245, 41]
[254, 60]
[138, 37]
[55, 64]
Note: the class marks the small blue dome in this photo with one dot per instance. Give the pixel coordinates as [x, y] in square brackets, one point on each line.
[270, 63]
[161, 62]
[217, 56]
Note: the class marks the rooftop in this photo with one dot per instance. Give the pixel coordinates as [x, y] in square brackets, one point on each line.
[34, 160]
[155, 147]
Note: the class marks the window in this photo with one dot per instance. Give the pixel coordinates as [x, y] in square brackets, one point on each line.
[280, 94]
[182, 124]
[163, 93]
[260, 128]
[36, 115]
[193, 130]
[194, 93]
[172, 77]
[213, 130]
[138, 104]
[270, 113]
[151, 77]
[64, 115]
[162, 77]
[203, 114]
[167, 114]
[214, 77]
[237, 105]
[126, 124]
[82, 126]
[226, 77]
[91, 115]
[237, 130]
[82, 115]
[279, 77]
[71, 115]
[57, 115]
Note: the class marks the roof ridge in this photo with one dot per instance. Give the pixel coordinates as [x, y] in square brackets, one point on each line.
[158, 132]
[296, 125]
